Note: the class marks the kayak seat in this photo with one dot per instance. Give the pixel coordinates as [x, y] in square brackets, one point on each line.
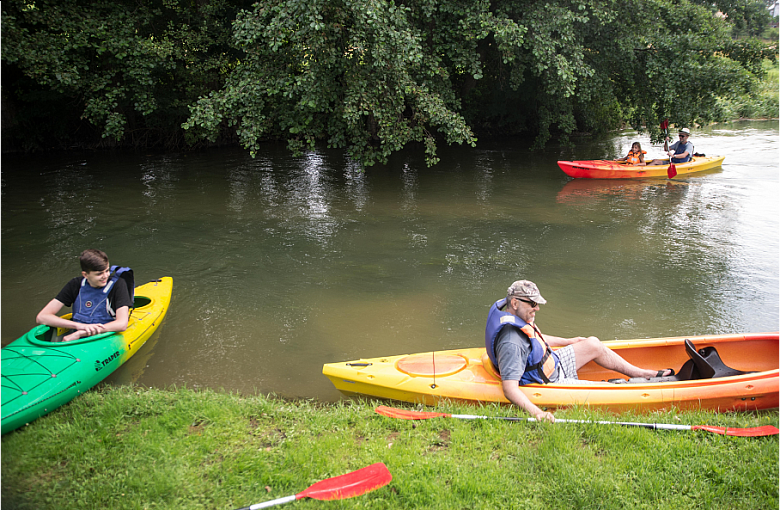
[54, 334]
[707, 363]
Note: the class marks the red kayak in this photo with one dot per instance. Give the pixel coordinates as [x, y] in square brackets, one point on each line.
[605, 169]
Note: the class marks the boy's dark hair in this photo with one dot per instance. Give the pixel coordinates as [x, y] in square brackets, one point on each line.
[93, 260]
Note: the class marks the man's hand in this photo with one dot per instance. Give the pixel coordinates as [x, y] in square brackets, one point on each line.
[544, 416]
[513, 393]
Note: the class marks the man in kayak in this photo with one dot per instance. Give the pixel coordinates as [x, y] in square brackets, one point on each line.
[681, 151]
[96, 309]
[522, 356]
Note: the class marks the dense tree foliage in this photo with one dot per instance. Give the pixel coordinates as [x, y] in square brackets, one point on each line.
[372, 76]
[129, 68]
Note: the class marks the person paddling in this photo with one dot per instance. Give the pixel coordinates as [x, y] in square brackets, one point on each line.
[680, 151]
[523, 356]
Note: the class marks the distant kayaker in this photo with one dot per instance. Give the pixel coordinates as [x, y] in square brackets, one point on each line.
[522, 356]
[681, 151]
[636, 156]
[94, 310]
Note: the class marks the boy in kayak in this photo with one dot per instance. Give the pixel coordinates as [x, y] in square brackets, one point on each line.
[96, 309]
[522, 356]
[680, 151]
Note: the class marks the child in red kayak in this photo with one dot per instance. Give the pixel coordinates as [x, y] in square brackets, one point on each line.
[97, 308]
[636, 156]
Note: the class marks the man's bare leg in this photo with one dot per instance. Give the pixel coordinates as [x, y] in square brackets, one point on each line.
[592, 349]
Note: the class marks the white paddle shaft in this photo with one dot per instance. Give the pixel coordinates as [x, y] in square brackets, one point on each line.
[661, 426]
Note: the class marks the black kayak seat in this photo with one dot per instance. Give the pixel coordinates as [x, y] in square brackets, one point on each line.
[708, 363]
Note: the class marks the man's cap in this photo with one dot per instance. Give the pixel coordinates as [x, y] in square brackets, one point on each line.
[525, 289]
[685, 130]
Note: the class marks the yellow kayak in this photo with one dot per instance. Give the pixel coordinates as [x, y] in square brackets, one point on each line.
[745, 376]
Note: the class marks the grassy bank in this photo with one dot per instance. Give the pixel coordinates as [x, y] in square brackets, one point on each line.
[130, 447]
[763, 104]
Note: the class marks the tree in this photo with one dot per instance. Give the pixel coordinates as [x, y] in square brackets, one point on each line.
[370, 76]
[375, 75]
[129, 67]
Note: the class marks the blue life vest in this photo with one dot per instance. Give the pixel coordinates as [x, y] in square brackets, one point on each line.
[541, 362]
[679, 150]
[92, 306]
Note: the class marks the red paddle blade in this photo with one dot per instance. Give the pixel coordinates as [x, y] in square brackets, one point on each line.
[349, 485]
[665, 125]
[671, 171]
[409, 415]
[766, 430]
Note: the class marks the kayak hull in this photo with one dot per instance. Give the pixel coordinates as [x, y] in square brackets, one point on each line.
[605, 169]
[38, 376]
[466, 375]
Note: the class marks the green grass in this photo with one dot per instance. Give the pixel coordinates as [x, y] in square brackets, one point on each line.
[762, 104]
[129, 447]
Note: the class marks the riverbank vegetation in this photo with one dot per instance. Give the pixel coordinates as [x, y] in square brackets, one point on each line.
[131, 447]
[371, 76]
[763, 104]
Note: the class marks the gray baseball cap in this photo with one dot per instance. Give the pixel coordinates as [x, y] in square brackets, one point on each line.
[525, 289]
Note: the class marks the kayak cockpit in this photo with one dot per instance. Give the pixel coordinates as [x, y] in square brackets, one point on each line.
[704, 363]
[53, 334]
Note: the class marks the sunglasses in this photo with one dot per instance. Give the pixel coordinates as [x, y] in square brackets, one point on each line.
[531, 302]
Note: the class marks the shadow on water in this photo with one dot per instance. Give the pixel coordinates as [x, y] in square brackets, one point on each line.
[282, 264]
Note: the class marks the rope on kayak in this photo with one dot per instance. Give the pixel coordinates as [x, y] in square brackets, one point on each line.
[433, 355]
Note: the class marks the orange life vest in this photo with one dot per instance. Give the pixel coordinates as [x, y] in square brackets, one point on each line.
[632, 159]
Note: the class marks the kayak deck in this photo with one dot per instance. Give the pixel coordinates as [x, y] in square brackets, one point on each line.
[467, 375]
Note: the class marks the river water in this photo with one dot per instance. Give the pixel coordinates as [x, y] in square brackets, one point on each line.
[282, 264]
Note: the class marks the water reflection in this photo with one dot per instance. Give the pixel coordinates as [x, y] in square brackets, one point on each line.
[281, 264]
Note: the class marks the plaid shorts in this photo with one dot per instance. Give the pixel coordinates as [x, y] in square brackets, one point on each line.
[568, 364]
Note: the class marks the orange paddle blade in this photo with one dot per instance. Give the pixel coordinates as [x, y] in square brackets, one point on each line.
[409, 415]
[766, 430]
[349, 485]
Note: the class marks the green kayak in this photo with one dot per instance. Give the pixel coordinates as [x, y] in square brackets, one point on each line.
[39, 375]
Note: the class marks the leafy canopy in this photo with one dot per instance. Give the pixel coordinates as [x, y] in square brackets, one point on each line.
[371, 76]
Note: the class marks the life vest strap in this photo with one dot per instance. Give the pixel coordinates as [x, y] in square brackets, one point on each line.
[539, 367]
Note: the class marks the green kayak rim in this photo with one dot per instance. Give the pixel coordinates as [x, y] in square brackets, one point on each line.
[33, 336]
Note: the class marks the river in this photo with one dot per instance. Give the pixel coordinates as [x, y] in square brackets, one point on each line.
[282, 264]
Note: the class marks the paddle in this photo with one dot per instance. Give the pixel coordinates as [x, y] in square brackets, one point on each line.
[672, 170]
[766, 430]
[340, 487]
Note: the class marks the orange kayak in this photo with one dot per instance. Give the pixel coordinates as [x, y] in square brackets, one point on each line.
[744, 376]
[605, 169]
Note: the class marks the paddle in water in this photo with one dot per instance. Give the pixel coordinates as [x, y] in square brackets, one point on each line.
[766, 430]
[340, 487]
[672, 170]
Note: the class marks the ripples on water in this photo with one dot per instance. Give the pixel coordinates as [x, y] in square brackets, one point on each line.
[282, 264]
